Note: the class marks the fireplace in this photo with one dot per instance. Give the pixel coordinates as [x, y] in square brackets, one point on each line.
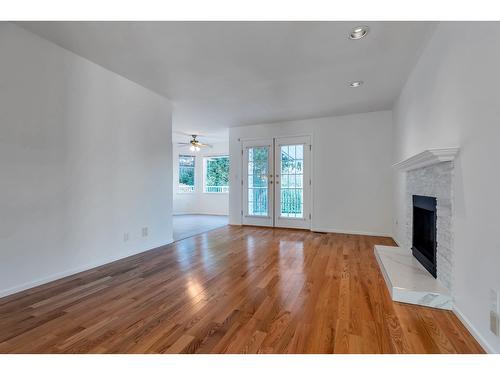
[424, 243]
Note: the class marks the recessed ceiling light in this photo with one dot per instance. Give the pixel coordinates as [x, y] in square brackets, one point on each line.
[355, 84]
[359, 32]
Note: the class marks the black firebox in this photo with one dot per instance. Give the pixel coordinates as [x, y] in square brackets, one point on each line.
[424, 245]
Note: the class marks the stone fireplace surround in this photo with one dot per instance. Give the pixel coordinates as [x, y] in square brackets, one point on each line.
[429, 173]
[434, 181]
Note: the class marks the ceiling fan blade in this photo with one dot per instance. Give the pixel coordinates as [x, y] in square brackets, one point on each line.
[183, 143]
[204, 145]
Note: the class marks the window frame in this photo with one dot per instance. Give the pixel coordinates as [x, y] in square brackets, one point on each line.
[179, 191]
[205, 160]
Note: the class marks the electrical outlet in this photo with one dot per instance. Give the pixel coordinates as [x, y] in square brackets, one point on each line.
[145, 232]
[125, 237]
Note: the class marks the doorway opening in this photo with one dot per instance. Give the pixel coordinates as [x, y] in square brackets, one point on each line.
[200, 184]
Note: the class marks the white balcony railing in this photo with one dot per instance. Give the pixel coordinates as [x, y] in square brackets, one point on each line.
[185, 189]
[216, 189]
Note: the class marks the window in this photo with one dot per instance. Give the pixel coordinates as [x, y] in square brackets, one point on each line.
[186, 173]
[216, 174]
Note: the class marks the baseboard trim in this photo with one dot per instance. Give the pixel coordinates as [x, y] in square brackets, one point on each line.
[198, 213]
[465, 321]
[479, 338]
[338, 231]
[73, 271]
[343, 231]
[397, 241]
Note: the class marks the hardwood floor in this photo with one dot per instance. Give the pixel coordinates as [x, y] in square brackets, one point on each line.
[185, 226]
[231, 290]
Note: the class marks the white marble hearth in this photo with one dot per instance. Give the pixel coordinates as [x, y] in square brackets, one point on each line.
[408, 281]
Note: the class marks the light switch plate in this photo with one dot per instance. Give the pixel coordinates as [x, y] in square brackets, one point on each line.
[494, 323]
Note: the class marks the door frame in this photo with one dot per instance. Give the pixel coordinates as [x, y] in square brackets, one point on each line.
[244, 191]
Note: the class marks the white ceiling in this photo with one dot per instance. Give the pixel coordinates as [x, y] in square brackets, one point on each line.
[224, 74]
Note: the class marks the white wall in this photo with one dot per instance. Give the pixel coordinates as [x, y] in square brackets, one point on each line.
[352, 176]
[451, 99]
[199, 202]
[85, 155]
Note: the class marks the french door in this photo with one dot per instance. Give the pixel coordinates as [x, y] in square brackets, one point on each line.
[276, 182]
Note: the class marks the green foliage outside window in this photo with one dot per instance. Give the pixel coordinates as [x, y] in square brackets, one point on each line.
[186, 173]
[217, 174]
[291, 180]
[291, 194]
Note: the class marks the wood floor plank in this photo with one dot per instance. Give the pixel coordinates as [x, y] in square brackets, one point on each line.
[231, 290]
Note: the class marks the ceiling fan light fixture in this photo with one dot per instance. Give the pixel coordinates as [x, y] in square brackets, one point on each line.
[194, 144]
[359, 32]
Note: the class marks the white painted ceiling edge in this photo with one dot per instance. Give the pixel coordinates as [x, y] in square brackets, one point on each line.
[225, 74]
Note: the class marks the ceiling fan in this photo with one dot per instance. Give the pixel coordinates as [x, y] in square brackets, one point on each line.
[194, 144]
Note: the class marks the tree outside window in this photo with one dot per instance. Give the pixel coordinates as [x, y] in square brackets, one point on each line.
[258, 169]
[216, 174]
[186, 173]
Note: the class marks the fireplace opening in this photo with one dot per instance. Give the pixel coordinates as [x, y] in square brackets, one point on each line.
[424, 244]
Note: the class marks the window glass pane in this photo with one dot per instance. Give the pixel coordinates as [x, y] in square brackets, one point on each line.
[292, 181]
[299, 152]
[258, 167]
[186, 160]
[298, 166]
[299, 181]
[186, 173]
[216, 174]
[284, 181]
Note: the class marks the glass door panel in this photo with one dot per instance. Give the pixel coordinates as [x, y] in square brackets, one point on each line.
[292, 181]
[257, 183]
[292, 188]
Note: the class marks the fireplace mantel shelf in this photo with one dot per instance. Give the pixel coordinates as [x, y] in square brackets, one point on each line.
[428, 157]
